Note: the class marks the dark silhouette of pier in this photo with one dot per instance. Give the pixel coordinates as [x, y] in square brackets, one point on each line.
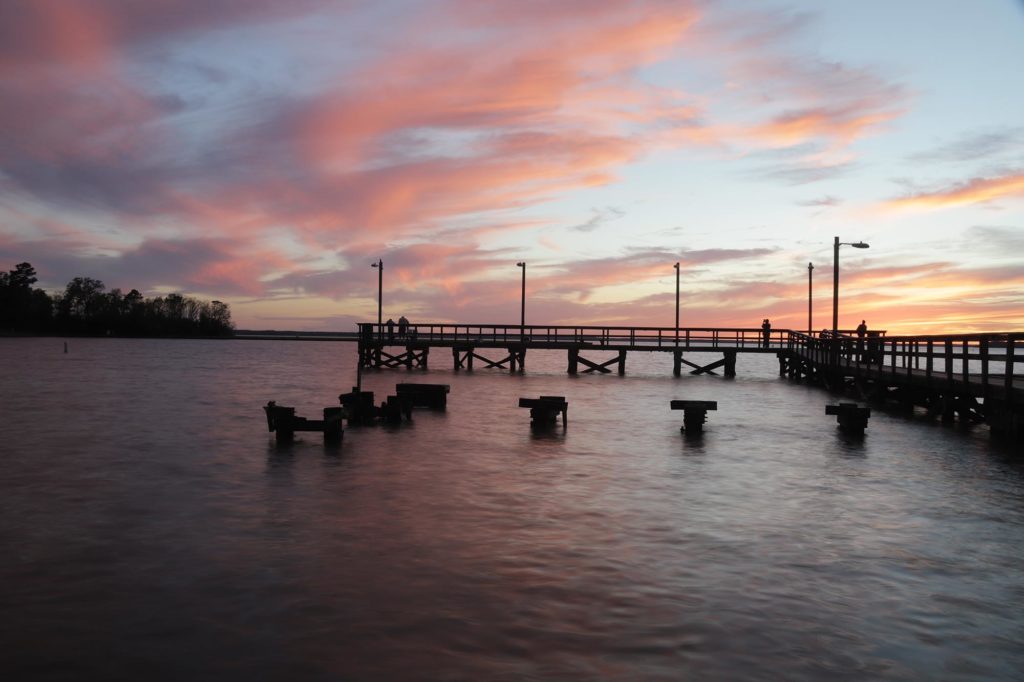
[965, 377]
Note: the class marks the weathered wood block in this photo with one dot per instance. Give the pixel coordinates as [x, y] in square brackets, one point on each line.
[851, 416]
[545, 409]
[433, 396]
[283, 421]
[359, 407]
[396, 408]
[694, 413]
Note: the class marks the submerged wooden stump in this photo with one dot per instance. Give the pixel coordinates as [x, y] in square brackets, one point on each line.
[359, 407]
[694, 413]
[284, 423]
[545, 409]
[432, 396]
[851, 416]
[395, 409]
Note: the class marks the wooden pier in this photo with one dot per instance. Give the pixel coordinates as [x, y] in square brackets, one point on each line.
[965, 377]
[587, 347]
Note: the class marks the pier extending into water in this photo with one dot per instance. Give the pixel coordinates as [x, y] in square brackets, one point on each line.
[965, 377]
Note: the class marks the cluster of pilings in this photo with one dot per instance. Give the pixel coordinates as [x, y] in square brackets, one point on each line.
[358, 408]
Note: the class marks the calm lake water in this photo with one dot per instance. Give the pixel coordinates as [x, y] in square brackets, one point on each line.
[151, 528]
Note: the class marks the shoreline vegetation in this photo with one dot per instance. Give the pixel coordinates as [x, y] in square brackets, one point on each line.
[85, 308]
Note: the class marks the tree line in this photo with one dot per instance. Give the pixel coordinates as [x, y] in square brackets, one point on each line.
[85, 307]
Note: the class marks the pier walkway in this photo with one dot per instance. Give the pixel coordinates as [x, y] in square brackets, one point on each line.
[383, 347]
[968, 377]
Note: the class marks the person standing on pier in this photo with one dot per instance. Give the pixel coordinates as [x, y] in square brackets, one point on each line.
[391, 330]
[403, 326]
[766, 331]
[862, 330]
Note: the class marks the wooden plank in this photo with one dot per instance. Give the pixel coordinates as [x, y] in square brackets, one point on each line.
[692, 404]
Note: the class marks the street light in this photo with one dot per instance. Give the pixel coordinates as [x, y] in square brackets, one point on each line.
[522, 308]
[835, 281]
[676, 266]
[810, 295]
[380, 289]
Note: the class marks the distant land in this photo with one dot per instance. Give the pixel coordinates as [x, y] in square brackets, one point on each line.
[274, 334]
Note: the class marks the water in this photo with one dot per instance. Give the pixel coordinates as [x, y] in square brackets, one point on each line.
[152, 529]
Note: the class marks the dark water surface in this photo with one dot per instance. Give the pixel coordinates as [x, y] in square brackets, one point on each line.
[151, 529]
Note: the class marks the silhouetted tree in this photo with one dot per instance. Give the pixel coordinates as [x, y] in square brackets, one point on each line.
[23, 308]
[85, 307]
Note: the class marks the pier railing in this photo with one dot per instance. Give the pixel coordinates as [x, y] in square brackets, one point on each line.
[555, 336]
[984, 362]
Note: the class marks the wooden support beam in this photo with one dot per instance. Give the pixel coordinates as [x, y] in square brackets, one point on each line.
[517, 356]
[622, 362]
[462, 357]
[730, 363]
[599, 367]
[677, 362]
[706, 368]
[574, 359]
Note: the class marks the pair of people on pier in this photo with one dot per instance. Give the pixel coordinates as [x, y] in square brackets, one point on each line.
[403, 328]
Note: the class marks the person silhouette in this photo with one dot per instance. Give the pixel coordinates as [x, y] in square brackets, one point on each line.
[391, 330]
[766, 331]
[862, 330]
[403, 326]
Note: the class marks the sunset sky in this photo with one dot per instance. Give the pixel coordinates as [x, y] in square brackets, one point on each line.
[265, 152]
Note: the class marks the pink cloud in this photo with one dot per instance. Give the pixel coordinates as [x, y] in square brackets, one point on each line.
[973, 191]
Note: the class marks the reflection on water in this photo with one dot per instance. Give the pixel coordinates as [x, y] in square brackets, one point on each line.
[154, 529]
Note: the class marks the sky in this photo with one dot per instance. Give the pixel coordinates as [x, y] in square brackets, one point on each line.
[264, 153]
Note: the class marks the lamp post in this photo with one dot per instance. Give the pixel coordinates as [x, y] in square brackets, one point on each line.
[522, 305]
[380, 290]
[810, 297]
[676, 266]
[835, 280]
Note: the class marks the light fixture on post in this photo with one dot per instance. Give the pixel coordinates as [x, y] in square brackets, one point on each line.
[522, 304]
[835, 280]
[676, 266]
[810, 298]
[380, 291]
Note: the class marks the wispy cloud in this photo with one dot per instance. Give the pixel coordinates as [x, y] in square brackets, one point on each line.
[973, 191]
[599, 217]
[975, 146]
[826, 201]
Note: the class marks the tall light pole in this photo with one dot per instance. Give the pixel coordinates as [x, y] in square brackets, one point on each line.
[522, 306]
[835, 280]
[810, 298]
[380, 289]
[676, 266]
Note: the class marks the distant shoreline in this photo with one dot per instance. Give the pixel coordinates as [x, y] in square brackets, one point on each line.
[244, 335]
[272, 335]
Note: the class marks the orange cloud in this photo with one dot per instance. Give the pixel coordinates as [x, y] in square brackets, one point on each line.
[974, 191]
[844, 125]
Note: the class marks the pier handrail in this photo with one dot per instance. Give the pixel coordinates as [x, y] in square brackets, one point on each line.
[992, 363]
[711, 338]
